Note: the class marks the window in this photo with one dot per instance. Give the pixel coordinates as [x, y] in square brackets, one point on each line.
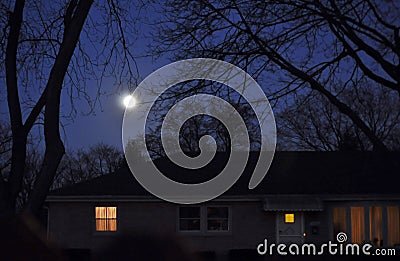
[106, 218]
[379, 225]
[204, 219]
[375, 225]
[393, 225]
[217, 218]
[289, 218]
[357, 224]
[189, 218]
[339, 220]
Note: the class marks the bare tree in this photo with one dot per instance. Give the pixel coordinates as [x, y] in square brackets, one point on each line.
[76, 166]
[5, 149]
[313, 123]
[42, 55]
[294, 46]
[196, 127]
[34, 157]
[98, 160]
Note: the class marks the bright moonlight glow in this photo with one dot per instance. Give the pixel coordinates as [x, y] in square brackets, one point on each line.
[129, 101]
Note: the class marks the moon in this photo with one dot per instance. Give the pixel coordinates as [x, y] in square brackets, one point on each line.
[129, 101]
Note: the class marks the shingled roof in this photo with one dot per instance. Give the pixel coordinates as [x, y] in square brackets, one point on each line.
[312, 173]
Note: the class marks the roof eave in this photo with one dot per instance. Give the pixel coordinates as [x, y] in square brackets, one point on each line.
[242, 198]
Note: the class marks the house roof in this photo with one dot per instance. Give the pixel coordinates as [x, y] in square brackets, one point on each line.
[292, 202]
[308, 173]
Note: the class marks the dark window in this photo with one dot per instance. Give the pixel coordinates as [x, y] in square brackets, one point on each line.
[217, 218]
[189, 218]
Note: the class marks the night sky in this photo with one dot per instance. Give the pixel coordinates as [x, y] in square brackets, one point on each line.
[105, 125]
[105, 122]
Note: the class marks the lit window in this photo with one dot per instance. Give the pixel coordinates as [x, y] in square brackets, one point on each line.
[393, 215]
[189, 218]
[375, 226]
[357, 224]
[106, 218]
[289, 218]
[375, 222]
[217, 218]
[339, 220]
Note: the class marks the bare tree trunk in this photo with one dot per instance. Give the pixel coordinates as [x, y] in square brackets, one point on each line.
[12, 187]
[74, 21]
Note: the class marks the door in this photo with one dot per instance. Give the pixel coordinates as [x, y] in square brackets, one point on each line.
[290, 227]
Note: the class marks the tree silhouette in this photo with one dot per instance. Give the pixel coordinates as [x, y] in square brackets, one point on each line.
[41, 52]
[294, 47]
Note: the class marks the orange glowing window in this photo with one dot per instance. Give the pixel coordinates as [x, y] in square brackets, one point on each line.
[357, 224]
[106, 218]
[376, 226]
[393, 215]
[289, 218]
[339, 220]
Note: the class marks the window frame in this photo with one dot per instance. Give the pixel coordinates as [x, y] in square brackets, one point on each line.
[179, 219]
[228, 219]
[204, 222]
[94, 219]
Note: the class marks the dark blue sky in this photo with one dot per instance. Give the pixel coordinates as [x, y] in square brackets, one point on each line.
[105, 123]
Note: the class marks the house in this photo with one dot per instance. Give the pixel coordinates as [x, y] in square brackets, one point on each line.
[306, 197]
